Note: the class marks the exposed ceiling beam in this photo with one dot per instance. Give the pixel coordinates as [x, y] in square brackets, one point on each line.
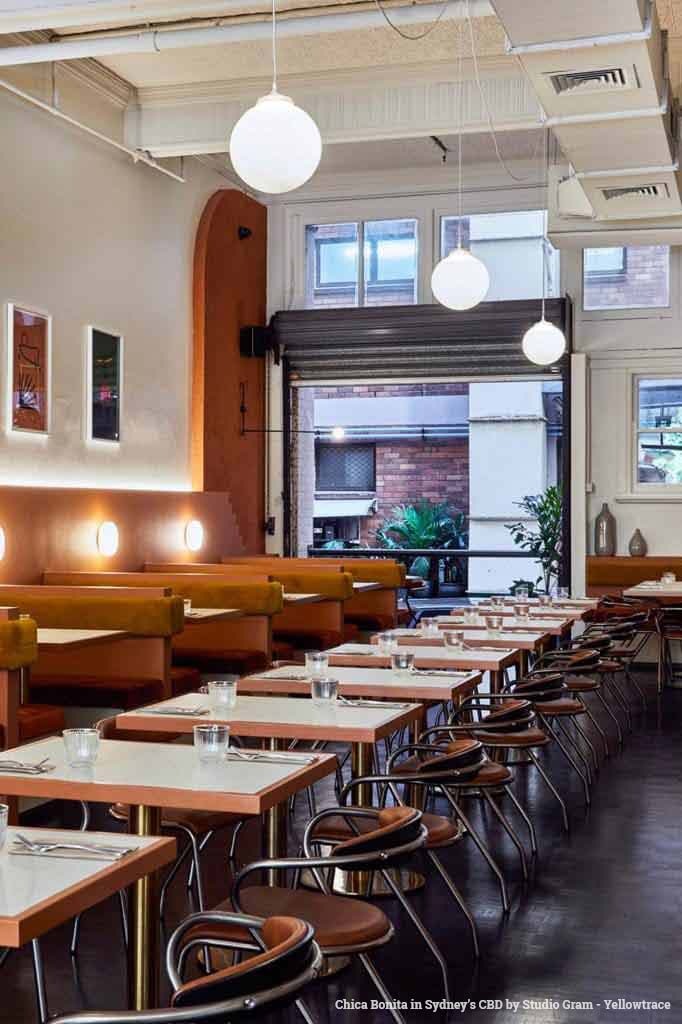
[27, 15]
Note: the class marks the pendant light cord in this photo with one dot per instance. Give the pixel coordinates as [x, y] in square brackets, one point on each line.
[274, 47]
[419, 35]
[545, 164]
[460, 123]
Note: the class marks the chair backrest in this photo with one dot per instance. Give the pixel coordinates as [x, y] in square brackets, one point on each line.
[289, 951]
[465, 755]
[515, 714]
[399, 831]
[546, 687]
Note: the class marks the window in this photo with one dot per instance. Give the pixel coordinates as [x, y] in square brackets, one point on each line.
[379, 255]
[626, 277]
[344, 467]
[514, 249]
[105, 352]
[658, 431]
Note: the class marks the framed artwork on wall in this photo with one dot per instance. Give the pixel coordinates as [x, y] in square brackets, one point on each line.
[104, 377]
[29, 370]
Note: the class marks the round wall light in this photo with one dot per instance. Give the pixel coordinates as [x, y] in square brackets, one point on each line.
[3, 543]
[194, 535]
[107, 538]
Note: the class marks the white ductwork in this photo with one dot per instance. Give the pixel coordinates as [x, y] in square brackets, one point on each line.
[236, 31]
[606, 96]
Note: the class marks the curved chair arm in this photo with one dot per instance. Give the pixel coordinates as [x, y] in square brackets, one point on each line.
[485, 726]
[246, 921]
[431, 748]
[347, 813]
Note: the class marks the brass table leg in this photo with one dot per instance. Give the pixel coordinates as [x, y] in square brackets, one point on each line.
[144, 925]
[416, 793]
[275, 827]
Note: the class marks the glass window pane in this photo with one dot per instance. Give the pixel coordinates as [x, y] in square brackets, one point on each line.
[347, 467]
[660, 459]
[633, 277]
[390, 256]
[331, 265]
[514, 249]
[106, 364]
[660, 403]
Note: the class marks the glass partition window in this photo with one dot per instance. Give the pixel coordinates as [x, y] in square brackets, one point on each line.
[626, 277]
[513, 247]
[371, 263]
[658, 431]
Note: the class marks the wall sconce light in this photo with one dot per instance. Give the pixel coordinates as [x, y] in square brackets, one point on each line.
[194, 535]
[107, 538]
[338, 433]
[3, 544]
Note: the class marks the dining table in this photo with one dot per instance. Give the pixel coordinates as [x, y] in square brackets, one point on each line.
[528, 642]
[148, 777]
[494, 658]
[45, 882]
[552, 626]
[656, 590]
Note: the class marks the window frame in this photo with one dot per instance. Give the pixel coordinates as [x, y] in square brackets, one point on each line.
[635, 432]
[610, 275]
[633, 312]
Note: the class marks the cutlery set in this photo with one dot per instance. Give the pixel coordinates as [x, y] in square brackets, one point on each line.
[63, 848]
[265, 757]
[27, 767]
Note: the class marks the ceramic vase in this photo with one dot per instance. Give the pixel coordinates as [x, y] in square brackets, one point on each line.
[605, 532]
[637, 546]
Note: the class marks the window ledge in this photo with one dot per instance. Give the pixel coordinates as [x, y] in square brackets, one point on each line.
[647, 499]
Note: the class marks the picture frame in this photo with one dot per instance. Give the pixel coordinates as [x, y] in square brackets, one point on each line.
[29, 369]
[103, 385]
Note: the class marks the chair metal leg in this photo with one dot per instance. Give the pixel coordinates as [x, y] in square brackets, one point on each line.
[577, 751]
[635, 685]
[383, 991]
[527, 818]
[461, 902]
[615, 689]
[4, 954]
[75, 935]
[483, 849]
[590, 744]
[605, 704]
[304, 1012]
[202, 844]
[506, 825]
[123, 904]
[550, 785]
[180, 860]
[595, 722]
[421, 928]
[39, 977]
[573, 763]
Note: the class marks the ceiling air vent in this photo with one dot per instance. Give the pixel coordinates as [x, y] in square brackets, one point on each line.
[570, 83]
[653, 191]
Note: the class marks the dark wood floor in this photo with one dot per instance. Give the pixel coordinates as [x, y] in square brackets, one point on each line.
[600, 919]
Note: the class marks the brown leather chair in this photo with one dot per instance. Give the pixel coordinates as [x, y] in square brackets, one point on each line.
[344, 925]
[285, 959]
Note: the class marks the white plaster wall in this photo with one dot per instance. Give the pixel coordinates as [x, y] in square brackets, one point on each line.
[91, 238]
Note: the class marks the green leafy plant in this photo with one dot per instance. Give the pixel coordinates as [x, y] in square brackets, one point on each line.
[543, 539]
[426, 524]
[529, 584]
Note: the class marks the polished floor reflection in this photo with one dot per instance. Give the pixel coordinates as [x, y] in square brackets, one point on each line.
[599, 920]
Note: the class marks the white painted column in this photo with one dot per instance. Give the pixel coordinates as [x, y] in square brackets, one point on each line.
[507, 460]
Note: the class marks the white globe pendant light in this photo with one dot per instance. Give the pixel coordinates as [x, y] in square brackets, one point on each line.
[275, 146]
[543, 343]
[460, 281]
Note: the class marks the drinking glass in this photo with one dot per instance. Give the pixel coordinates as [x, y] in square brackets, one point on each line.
[402, 663]
[81, 747]
[493, 624]
[668, 577]
[562, 593]
[544, 600]
[522, 593]
[470, 616]
[429, 627]
[223, 693]
[316, 664]
[521, 610]
[187, 605]
[211, 742]
[497, 601]
[453, 640]
[324, 690]
[387, 643]
[4, 815]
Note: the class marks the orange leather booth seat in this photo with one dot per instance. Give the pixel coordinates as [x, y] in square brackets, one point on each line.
[157, 616]
[19, 649]
[95, 692]
[38, 720]
[228, 661]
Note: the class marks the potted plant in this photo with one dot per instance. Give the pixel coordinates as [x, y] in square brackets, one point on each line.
[427, 524]
[543, 540]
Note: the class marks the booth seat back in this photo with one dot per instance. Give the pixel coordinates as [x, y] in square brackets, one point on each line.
[337, 586]
[387, 571]
[141, 616]
[253, 596]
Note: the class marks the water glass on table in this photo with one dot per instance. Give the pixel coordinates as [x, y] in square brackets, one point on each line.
[544, 600]
[4, 818]
[316, 664]
[668, 577]
[522, 593]
[453, 640]
[211, 742]
[402, 663]
[324, 691]
[429, 627]
[187, 606]
[493, 624]
[521, 610]
[81, 747]
[387, 643]
[222, 693]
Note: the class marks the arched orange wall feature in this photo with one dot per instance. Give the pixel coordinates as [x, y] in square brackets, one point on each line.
[230, 293]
